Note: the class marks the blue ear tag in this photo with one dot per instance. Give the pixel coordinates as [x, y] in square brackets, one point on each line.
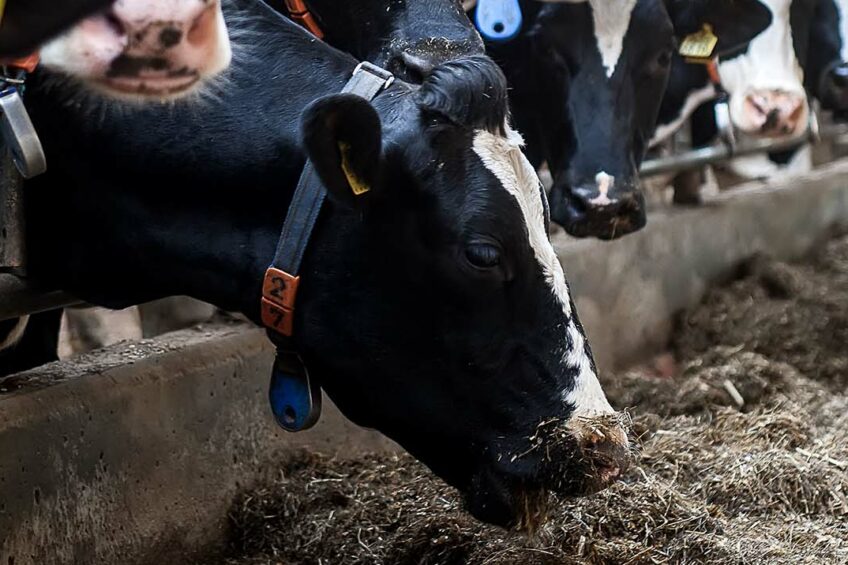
[296, 404]
[498, 20]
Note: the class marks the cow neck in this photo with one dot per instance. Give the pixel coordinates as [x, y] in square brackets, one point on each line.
[295, 400]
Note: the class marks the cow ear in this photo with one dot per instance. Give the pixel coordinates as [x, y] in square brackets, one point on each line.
[734, 22]
[343, 139]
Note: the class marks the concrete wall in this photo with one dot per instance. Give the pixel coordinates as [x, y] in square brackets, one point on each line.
[629, 290]
[133, 454]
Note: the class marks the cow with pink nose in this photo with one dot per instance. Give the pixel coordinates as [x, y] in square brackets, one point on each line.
[139, 50]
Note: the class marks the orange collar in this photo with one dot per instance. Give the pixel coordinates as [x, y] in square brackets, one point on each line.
[27, 63]
[712, 70]
[299, 12]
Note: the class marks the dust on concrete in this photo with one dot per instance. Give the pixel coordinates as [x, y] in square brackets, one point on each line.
[744, 457]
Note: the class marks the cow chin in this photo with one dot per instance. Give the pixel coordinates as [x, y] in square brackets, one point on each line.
[602, 222]
[143, 90]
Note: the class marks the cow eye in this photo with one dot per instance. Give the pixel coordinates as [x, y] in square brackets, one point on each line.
[483, 255]
[664, 59]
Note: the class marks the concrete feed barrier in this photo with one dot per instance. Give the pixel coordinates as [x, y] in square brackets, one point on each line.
[134, 454]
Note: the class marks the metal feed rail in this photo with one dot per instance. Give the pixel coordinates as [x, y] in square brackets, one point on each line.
[719, 153]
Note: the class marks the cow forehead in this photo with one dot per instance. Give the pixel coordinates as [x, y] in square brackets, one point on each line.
[770, 61]
[503, 157]
[611, 19]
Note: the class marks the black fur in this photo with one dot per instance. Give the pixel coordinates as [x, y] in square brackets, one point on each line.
[469, 92]
[409, 38]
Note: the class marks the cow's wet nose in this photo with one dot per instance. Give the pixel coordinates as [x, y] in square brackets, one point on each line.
[608, 457]
[605, 450]
[590, 210]
[774, 113]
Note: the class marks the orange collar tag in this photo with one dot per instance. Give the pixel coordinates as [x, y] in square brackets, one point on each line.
[27, 63]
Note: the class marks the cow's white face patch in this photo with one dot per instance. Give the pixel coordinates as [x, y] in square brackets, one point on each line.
[770, 64]
[604, 182]
[504, 158]
[611, 19]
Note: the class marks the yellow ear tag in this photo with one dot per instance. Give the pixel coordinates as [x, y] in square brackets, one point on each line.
[356, 184]
[2, 9]
[699, 46]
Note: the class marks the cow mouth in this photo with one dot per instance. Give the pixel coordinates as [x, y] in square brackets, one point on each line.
[603, 222]
[516, 491]
[154, 86]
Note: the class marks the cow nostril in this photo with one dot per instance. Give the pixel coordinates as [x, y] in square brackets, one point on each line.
[772, 119]
[169, 37]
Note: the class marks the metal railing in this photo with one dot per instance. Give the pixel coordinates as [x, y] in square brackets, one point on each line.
[718, 153]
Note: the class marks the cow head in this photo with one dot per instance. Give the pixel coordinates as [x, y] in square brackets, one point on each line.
[610, 62]
[408, 38]
[143, 49]
[439, 313]
[766, 81]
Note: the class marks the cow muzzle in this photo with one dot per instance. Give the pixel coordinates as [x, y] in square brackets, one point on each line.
[596, 210]
[774, 113]
[578, 458]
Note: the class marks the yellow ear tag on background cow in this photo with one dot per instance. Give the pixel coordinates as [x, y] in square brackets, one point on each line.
[2, 10]
[356, 184]
[699, 46]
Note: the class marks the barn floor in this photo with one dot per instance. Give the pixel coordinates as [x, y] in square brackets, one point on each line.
[763, 481]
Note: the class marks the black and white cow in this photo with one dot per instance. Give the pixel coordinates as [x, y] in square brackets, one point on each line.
[587, 79]
[765, 83]
[432, 308]
[408, 38]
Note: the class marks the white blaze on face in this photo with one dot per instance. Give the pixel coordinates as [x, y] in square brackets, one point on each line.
[769, 64]
[504, 158]
[611, 19]
[605, 182]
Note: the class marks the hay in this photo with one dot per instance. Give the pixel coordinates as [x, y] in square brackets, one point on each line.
[761, 480]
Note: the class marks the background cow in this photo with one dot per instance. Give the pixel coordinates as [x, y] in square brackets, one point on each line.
[469, 328]
[587, 80]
